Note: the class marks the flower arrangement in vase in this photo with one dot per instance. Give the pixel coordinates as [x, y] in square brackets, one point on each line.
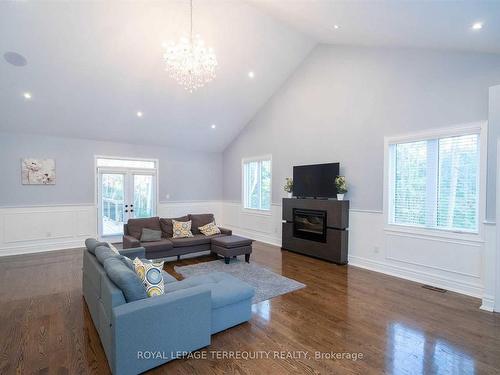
[288, 186]
[341, 184]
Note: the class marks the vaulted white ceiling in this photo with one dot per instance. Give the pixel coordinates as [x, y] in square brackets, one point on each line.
[395, 23]
[92, 65]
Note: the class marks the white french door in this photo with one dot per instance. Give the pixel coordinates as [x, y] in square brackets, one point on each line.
[124, 193]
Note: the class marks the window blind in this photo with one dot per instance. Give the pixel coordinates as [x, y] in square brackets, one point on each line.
[257, 184]
[435, 183]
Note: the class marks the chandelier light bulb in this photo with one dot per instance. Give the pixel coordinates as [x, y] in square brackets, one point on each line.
[189, 62]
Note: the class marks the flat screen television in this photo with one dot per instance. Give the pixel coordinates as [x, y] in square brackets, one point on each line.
[316, 181]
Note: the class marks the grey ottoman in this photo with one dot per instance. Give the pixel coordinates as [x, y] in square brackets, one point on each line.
[232, 246]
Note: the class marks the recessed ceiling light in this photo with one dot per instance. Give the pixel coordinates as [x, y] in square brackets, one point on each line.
[139, 114]
[336, 27]
[477, 26]
[213, 126]
[251, 74]
[27, 95]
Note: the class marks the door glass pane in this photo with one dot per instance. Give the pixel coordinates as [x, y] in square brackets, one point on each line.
[143, 196]
[112, 203]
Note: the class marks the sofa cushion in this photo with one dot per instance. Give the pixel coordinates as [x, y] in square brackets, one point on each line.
[150, 273]
[209, 229]
[91, 244]
[198, 239]
[135, 226]
[103, 252]
[125, 279]
[128, 262]
[168, 278]
[181, 229]
[225, 289]
[149, 235]
[199, 220]
[161, 245]
[166, 225]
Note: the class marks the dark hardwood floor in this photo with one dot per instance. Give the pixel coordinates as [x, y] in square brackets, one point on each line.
[398, 326]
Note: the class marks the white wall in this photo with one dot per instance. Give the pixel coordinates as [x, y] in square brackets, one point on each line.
[342, 101]
[46, 217]
[33, 229]
[338, 107]
[184, 175]
[311, 119]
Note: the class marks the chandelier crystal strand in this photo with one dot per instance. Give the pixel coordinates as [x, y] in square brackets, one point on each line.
[189, 62]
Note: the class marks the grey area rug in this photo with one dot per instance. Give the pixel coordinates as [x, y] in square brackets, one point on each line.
[267, 284]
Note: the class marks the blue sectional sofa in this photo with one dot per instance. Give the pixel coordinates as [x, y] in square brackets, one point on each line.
[140, 335]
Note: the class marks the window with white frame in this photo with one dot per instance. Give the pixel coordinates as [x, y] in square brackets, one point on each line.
[257, 183]
[434, 182]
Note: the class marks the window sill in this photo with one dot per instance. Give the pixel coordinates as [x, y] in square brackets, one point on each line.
[256, 212]
[434, 233]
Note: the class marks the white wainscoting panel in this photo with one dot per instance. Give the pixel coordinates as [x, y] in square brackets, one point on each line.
[176, 209]
[455, 265]
[452, 264]
[42, 228]
[489, 261]
[450, 256]
[255, 225]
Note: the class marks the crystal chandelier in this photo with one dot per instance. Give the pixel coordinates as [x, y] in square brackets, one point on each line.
[189, 62]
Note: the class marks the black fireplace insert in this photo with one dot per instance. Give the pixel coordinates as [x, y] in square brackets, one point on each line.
[309, 224]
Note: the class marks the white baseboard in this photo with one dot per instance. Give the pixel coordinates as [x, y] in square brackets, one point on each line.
[474, 290]
[488, 303]
[40, 248]
[45, 228]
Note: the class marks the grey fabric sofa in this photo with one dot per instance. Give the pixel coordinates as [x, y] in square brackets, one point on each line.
[180, 321]
[169, 246]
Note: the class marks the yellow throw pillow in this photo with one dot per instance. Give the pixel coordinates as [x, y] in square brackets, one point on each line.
[209, 229]
[181, 229]
[151, 276]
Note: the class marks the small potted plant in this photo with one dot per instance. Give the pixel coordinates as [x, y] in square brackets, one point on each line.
[288, 186]
[341, 185]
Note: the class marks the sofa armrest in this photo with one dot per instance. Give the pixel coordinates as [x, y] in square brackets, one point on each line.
[226, 231]
[179, 321]
[129, 242]
[134, 252]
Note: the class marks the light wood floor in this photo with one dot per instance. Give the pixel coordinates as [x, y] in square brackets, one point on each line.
[399, 327]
